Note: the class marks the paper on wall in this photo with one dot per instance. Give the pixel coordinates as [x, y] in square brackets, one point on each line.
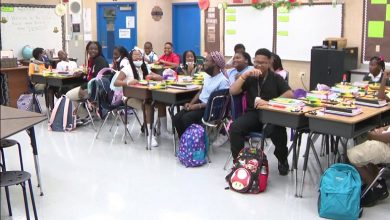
[130, 22]
[124, 33]
[87, 19]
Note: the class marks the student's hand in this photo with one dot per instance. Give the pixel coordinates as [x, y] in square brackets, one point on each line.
[260, 102]
[132, 82]
[187, 106]
[252, 72]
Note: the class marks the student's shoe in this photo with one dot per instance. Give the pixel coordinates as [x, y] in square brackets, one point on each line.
[154, 142]
[283, 168]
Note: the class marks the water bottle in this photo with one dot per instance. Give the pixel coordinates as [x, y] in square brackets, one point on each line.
[263, 170]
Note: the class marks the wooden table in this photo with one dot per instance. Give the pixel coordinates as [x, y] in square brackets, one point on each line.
[172, 97]
[286, 118]
[18, 81]
[66, 81]
[341, 127]
[14, 121]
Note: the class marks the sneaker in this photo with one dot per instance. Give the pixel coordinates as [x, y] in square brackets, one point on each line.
[221, 139]
[283, 168]
[154, 142]
[373, 196]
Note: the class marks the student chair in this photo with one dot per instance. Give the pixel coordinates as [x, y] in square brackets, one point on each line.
[215, 113]
[380, 173]
[85, 103]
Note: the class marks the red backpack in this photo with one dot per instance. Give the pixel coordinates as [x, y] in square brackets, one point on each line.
[250, 173]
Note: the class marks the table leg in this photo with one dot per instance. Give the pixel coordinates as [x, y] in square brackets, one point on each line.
[171, 110]
[31, 133]
[306, 155]
[126, 108]
[295, 160]
[153, 104]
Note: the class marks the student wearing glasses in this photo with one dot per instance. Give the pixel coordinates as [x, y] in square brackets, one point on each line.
[261, 85]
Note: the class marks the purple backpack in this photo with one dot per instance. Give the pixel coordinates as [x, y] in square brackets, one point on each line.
[192, 147]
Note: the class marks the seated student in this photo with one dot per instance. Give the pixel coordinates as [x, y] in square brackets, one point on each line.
[131, 75]
[169, 59]
[193, 112]
[149, 55]
[96, 62]
[37, 65]
[366, 156]
[242, 63]
[237, 48]
[376, 68]
[65, 65]
[261, 85]
[120, 59]
[277, 67]
[189, 66]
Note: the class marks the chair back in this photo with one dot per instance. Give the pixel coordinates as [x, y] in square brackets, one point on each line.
[238, 105]
[217, 106]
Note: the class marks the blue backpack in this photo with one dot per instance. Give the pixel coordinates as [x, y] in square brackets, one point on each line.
[340, 191]
[192, 147]
[62, 117]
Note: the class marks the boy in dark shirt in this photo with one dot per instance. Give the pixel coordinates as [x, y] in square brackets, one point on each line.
[261, 85]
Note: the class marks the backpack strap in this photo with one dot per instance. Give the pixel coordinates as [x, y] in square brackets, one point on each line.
[65, 116]
[54, 112]
[99, 75]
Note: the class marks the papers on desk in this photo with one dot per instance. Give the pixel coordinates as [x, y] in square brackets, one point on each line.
[345, 111]
[286, 102]
[371, 102]
[183, 86]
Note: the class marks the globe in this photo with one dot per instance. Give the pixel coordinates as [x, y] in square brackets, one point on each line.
[27, 52]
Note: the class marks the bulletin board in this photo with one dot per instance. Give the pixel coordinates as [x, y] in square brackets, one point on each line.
[212, 30]
[376, 31]
[303, 27]
[33, 25]
[247, 25]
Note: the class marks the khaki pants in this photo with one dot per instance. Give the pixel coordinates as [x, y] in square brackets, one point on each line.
[75, 95]
[374, 152]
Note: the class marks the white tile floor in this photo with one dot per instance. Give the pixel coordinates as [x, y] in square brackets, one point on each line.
[105, 179]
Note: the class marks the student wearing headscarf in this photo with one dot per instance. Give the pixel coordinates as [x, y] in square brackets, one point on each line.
[214, 66]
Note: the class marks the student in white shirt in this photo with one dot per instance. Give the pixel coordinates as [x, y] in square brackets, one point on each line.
[376, 68]
[242, 62]
[65, 65]
[131, 75]
[120, 59]
[149, 55]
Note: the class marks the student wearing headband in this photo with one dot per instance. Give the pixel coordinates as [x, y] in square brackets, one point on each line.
[214, 66]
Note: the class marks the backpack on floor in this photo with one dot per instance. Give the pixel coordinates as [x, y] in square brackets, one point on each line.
[192, 147]
[340, 190]
[62, 117]
[26, 103]
[250, 173]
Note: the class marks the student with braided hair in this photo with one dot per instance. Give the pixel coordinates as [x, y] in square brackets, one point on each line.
[376, 68]
[214, 66]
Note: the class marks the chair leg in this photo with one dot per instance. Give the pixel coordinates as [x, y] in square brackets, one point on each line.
[89, 115]
[380, 173]
[23, 185]
[8, 200]
[114, 122]
[126, 130]
[3, 159]
[20, 157]
[227, 161]
[101, 126]
[32, 199]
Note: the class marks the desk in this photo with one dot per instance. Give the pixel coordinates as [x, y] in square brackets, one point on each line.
[17, 82]
[341, 126]
[14, 121]
[66, 81]
[294, 120]
[172, 97]
[142, 93]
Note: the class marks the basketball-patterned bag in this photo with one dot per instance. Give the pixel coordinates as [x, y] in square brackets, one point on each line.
[193, 146]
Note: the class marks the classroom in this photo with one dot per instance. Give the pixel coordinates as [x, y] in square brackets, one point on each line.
[194, 109]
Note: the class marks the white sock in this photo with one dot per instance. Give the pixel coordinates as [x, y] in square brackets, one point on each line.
[154, 142]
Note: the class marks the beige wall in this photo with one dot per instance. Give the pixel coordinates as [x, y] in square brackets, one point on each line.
[161, 31]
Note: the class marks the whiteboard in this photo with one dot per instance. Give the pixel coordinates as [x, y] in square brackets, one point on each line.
[33, 26]
[252, 27]
[307, 26]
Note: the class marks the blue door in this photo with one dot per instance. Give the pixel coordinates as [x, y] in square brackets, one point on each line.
[186, 27]
[116, 26]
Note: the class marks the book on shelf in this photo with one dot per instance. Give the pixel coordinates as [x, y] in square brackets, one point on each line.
[371, 102]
